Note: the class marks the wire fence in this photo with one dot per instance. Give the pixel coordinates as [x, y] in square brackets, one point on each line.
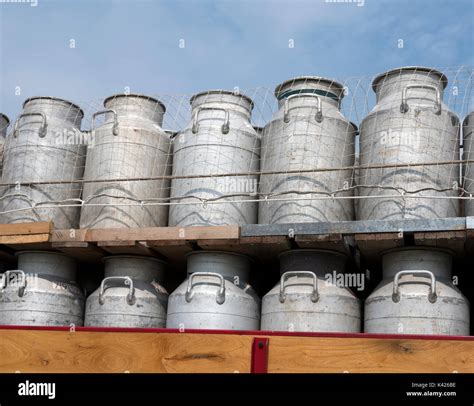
[313, 149]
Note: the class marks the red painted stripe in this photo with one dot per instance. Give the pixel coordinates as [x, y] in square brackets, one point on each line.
[259, 358]
[245, 332]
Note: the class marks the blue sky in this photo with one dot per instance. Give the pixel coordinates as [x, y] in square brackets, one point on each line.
[227, 43]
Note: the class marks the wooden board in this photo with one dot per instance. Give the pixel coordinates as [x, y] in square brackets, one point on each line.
[263, 242]
[127, 248]
[49, 351]
[357, 227]
[451, 240]
[69, 235]
[174, 253]
[166, 234]
[26, 235]
[264, 247]
[372, 245]
[469, 244]
[333, 242]
[366, 355]
[42, 227]
[80, 250]
[106, 352]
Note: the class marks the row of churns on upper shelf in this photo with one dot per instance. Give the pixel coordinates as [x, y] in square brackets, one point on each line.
[416, 295]
[220, 170]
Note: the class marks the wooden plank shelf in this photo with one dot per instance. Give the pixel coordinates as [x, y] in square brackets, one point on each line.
[264, 242]
[93, 350]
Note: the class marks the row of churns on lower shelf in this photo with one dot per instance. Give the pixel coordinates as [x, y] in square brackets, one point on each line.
[120, 174]
[416, 295]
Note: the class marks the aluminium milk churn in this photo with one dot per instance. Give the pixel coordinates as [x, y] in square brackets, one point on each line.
[4, 123]
[468, 143]
[41, 292]
[311, 295]
[308, 133]
[406, 137]
[417, 296]
[133, 151]
[45, 145]
[130, 295]
[219, 140]
[215, 295]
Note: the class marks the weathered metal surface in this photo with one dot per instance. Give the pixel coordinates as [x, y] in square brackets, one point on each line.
[356, 227]
[42, 292]
[409, 124]
[308, 132]
[309, 296]
[130, 295]
[417, 296]
[4, 123]
[219, 140]
[470, 222]
[45, 144]
[468, 154]
[130, 144]
[216, 294]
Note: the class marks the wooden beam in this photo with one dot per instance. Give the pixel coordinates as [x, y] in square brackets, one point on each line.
[452, 240]
[41, 227]
[69, 235]
[48, 351]
[357, 227]
[51, 351]
[12, 240]
[127, 248]
[333, 242]
[80, 250]
[264, 247]
[367, 355]
[175, 254]
[372, 245]
[166, 234]
[469, 244]
[25, 233]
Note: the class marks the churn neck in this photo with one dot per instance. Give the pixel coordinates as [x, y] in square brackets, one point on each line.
[320, 262]
[326, 89]
[436, 261]
[47, 263]
[223, 99]
[233, 267]
[395, 81]
[137, 105]
[54, 108]
[145, 269]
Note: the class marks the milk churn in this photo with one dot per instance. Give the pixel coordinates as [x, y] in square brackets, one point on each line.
[407, 136]
[417, 295]
[219, 140]
[45, 145]
[311, 295]
[133, 151]
[215, 295]
[41, 292]
[130, 295]
[306, 134]
[468, 143]
[4, 123]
